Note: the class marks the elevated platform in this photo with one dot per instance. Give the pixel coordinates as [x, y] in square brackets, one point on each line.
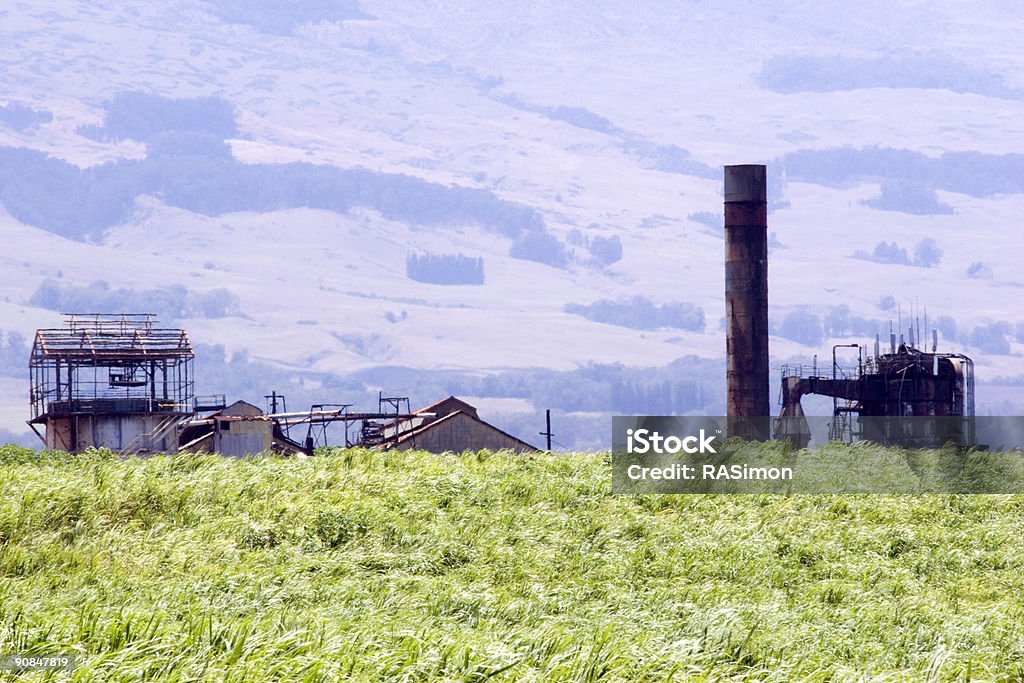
[109, 380]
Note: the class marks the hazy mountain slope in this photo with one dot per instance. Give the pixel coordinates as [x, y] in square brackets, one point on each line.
[607, 121]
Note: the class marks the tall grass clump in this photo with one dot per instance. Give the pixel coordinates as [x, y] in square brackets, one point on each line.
[362, 565]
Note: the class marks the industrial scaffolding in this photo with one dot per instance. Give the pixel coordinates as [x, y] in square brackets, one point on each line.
[110, 364]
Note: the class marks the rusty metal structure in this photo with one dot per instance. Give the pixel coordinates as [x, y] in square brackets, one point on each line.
[746, 296]
[236, 431]
[115, 381]
[243, 428]
[909, 396]
[118, 381]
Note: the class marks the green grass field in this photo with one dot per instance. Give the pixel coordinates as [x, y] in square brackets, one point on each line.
[411, 566]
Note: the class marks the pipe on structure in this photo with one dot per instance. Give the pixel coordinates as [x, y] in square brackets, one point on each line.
[746, 295]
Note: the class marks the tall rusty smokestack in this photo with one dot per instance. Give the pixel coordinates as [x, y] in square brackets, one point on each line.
[746, 292]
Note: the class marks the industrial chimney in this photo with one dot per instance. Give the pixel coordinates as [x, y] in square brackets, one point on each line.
[746, 295]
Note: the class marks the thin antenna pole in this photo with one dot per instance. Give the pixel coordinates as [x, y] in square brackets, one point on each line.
[927, 333]
[547, 417]
[917, 319]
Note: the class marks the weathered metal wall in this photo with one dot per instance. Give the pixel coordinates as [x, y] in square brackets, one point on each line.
[459, 433]
[243, 437]
[746, 291]
[58, 434]
[116, 432]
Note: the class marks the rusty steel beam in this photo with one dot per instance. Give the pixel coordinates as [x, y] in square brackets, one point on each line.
[746, 292]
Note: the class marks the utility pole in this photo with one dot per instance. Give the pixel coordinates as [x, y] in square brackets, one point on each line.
[547, 415]
[272, 398]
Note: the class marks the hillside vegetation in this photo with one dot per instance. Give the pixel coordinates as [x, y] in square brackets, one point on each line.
[259, 173]
[411, 566]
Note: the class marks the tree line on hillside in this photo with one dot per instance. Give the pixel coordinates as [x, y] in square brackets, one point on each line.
[908, 196]
[640, 313]
[168, 303]
[189, 166]
[811, 329]
[927, 254]
[977, 174]
[694, 384]
[56, 196]
[668, 397]
[144, 116]
[831, 73]
[20, 117]
[445, 269]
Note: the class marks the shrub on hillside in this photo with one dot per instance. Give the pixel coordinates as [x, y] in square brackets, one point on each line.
[539, 246]
[607, 250]
[802, 326]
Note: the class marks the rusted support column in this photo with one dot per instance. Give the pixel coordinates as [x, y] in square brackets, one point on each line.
[746, 293]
